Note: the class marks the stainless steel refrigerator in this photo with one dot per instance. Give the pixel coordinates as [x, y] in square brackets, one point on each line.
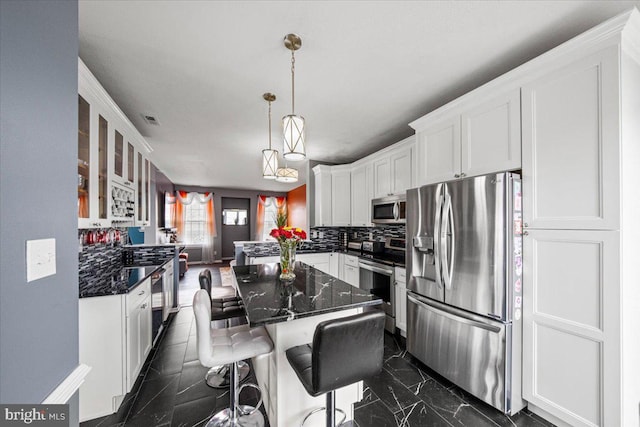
[464, 300]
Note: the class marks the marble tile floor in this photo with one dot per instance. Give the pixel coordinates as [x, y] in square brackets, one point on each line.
[171, 391]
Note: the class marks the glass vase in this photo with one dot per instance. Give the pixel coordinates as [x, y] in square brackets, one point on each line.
[287, 260]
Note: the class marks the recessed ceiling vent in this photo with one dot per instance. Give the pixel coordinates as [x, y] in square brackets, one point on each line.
[151, 119]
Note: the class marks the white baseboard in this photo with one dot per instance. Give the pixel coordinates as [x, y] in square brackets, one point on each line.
[68, 386]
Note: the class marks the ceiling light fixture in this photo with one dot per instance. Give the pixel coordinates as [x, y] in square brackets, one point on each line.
[293, 125]
[286, 174]
[269, 156]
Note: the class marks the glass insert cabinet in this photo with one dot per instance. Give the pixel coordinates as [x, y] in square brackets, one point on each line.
[114, 170]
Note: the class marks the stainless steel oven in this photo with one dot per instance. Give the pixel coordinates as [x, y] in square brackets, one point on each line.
[378, 279]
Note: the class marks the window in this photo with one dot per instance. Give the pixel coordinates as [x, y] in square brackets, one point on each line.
[195, 223]
[234, 217]
[270, 215]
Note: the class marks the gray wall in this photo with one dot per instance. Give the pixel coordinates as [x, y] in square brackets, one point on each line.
[38, 178]
[218, 194]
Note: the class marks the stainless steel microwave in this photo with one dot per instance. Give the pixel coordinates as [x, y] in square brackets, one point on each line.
[389, 210]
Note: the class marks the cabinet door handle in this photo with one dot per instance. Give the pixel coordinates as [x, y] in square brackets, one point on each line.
[141, 293]
[456, 176]
[143, 306]
[526, 233]
[462, 175]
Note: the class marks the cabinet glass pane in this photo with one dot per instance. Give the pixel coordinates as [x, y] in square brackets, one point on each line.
[147, 181]
[140, 173]
[130, 162]
[102, 167]
[118, 154]
[83, 157]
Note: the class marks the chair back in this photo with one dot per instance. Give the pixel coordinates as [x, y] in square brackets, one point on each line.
[202, 313]
[205, 280]
[347, 350]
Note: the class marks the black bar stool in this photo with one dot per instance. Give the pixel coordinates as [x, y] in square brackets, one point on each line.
[344, 351]
[225, 305]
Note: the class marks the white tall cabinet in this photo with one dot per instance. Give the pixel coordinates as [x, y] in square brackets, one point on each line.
[580, 160]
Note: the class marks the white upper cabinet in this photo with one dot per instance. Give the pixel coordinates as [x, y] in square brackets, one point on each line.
[393, 170]
[474, 139]
[438, 151]
[341, 196]
[570, 134]
[382, 177]
[490, 139]
[361, 194]
[322, 213]
[108, 149]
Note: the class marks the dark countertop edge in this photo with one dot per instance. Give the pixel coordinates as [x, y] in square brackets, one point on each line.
[132, 287]
[339, 251]
[316, 313]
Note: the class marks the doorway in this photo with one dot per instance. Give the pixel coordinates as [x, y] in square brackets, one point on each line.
[235, 224]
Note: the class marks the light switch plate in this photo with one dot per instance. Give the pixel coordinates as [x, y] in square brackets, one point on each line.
[41, 258]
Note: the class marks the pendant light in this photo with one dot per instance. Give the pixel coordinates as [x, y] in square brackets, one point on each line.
[293, 125]
[269, 156]
[286, 174]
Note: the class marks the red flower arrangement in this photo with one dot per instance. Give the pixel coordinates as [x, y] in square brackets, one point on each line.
[289, 238]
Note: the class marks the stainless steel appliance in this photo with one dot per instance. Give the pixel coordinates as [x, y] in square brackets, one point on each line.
[379, 278]
[464, 301]
[389, 210]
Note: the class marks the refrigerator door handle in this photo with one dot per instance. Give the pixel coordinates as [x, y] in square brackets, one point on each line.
[458, 315]
[436, 235]
[444, 236]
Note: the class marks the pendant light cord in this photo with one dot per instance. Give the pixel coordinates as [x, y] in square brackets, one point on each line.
[269, 125]
[293, 87]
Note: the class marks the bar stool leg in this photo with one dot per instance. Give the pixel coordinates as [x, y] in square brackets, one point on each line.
[236, 415]
[218, 376]
[331, 409]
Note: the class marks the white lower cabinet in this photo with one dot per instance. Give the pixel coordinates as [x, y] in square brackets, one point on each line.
[114, 340]
[319, 261]
[571, 332]
[401, 300]
[167, 290]
[138, 304]
[335, 264]
[350, 270]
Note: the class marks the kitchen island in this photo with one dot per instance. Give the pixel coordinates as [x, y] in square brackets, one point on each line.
[290, 313]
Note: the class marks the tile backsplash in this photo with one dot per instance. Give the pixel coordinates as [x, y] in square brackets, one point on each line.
[331, 235]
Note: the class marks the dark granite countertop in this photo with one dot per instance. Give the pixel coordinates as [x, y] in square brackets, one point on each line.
[268, 300]
[121, 280]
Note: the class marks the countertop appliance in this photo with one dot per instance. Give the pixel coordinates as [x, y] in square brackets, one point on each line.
[389, 210]
[464, 300]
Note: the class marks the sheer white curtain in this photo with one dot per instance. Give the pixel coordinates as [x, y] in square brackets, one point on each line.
[209, 227]
[268, 209]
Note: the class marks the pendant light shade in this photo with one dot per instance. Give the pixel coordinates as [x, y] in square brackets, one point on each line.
[269, 156]
[293, 125]
[293, 137]
[269, 163]
[287, 174]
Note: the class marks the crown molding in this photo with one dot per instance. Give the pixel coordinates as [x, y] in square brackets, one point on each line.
[606, 34]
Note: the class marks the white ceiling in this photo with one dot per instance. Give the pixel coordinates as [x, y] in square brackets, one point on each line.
[365, 70]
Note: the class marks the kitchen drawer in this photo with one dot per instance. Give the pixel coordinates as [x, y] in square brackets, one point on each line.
[351, 260]
[138, 294]
[401, 274]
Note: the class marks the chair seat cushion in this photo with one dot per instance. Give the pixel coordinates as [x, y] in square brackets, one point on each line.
[233, 344]
[299, 358]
